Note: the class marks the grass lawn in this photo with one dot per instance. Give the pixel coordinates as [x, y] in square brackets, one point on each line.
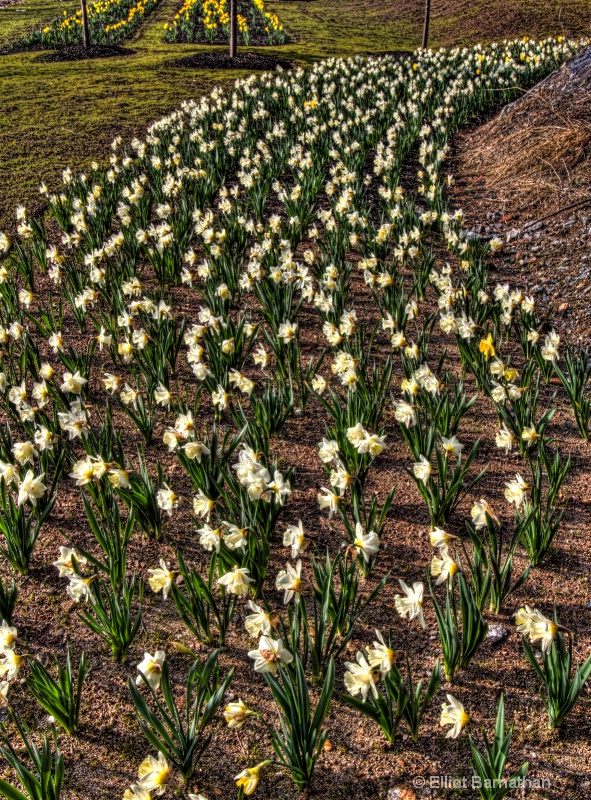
[59, 114]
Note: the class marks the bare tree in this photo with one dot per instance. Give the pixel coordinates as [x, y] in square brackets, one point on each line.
[426, 24]
[233, 27]
[85, 29]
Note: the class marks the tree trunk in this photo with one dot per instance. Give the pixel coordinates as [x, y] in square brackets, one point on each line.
[233, 28]
[85, 30]
[426, 24]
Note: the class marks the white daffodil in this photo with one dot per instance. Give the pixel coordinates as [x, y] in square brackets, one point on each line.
[411, 603]
[210, 538]
[328, 450]
[31, 488]
[202, 505]
[10, 664]
[270, 655]
[294, 538]
[167, 500]
[422, 469]
[8, 636]
[237, 580]
[64, 562]
[451, 446]
[516, 491]
[289, 581]
[136, 792]
[504, 439]
[372, 444]
[531, 622]
[453, 714]
[329, 500]
[259, 622]
[151, 669]
[73, 383]
[380, 656]
[439, 537]
[154, 774]
[237, 713]
[161, 579]
[356, 434]
[405, 413]
[366, 544]
[360, 677]
[444, 567]
[479, 512]
[79, 588]
[235, 538]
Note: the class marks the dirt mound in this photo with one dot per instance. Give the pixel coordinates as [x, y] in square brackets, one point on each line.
[81, 53]
[535, 156]
[221, 60]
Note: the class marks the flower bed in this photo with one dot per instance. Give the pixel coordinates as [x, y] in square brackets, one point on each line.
[209, 21]
[109, 21]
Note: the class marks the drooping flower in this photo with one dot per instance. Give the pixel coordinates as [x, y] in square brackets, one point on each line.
[531, 622]
[454, 714]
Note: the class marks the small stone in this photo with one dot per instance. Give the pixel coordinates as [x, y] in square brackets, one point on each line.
[496, 633]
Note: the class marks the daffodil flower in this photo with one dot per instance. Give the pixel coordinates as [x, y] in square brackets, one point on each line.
[454, 714]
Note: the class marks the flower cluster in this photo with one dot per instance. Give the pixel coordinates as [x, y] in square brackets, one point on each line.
[209, 20]
[109, 22]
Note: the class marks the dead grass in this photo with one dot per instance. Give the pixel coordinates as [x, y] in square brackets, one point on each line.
[536, 155]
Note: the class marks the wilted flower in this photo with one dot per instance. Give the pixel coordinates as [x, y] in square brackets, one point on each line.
[248, 779]
[237, 713]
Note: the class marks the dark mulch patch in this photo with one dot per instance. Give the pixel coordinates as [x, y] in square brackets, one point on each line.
[217, 60]
[80, 53]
